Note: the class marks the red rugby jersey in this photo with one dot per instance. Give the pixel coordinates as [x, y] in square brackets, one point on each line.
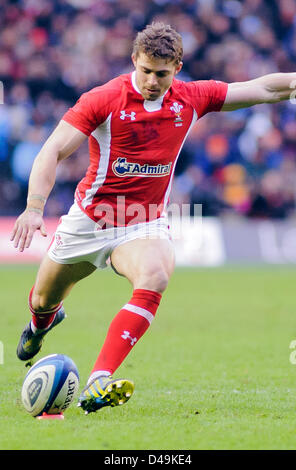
[134, 145]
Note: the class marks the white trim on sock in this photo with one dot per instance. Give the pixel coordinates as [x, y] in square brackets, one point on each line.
[36, 330]
[139, 311]
[98, 373]
[47, 312]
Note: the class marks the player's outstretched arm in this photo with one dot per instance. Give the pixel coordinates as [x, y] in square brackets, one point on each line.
[64, 140]
[270, 88]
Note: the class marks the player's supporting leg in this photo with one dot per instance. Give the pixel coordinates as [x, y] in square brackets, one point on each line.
[53, 283]
[148, 265]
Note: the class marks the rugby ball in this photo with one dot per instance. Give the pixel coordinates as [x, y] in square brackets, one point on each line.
[50, 385]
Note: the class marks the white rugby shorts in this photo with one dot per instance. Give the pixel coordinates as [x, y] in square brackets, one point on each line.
[79, 238]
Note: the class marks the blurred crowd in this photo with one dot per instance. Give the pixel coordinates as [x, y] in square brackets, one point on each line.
[51, 51]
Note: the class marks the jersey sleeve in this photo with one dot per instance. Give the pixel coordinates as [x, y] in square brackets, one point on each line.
[206, 95]
[88, 112]
[81, 115]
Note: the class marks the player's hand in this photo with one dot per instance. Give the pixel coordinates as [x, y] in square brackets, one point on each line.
[25, 227]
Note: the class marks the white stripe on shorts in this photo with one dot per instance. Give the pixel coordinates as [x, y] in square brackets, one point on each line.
[140, 311]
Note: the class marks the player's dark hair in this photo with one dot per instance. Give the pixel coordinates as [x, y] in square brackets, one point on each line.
[159, 40]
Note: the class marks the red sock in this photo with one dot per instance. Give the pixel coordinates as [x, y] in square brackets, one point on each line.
[42, 320]
[126, 329]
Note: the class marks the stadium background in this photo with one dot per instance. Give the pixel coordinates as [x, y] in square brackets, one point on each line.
[240, 166]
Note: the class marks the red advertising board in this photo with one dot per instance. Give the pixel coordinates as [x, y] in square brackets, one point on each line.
[33, 254]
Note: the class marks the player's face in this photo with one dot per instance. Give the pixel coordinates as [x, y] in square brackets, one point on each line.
[154, 76]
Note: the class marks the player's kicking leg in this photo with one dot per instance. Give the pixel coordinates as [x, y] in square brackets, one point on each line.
[147, 264]
[53, 283]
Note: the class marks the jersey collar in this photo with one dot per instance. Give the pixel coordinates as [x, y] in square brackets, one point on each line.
[149, 106]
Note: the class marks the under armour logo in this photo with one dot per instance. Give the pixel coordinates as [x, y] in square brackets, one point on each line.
[127, 335]
[124, 115]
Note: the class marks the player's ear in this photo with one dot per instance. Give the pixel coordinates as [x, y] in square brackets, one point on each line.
[178, 67]
[134, 59]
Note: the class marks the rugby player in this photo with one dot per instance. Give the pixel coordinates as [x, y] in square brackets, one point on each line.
[136, 125]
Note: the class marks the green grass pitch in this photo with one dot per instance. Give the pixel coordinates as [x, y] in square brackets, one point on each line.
[213, 371]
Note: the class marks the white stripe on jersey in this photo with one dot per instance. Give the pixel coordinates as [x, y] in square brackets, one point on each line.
[140, 311]
[168, 190]
[102, 134]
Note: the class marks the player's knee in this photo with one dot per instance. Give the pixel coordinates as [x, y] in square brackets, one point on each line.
[156, 280]
[42, 302]
[162, 280]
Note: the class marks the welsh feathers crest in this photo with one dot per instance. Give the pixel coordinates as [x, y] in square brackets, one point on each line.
[176, 108]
